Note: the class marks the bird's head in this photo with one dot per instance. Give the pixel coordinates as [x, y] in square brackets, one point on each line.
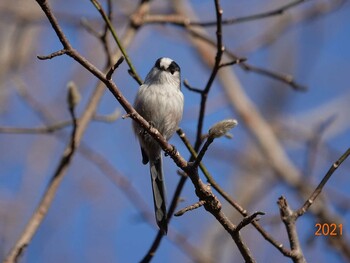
[165, 71]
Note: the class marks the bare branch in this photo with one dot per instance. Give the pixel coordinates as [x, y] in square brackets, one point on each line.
[288, 79]
[250, 68]
[53, 55]
[181, 21]
[49, 194]
[289, 219]
[233, 62]
[186, 22]
[275, 12]
[57, 126]
[83, 122]
[112, 117]
[228, 198]
[89, 28]
[189, 87]
[323, 182]
[36, 130]
[248, 220]
[105, 17]
[219, 52]
[114, 67]
[190, 208]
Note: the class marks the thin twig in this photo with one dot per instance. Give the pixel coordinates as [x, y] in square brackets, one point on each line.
[323, 182]
[186, 22]
[313, 144]
[105, 17]
[47, 198]
[271, 13]
[190, 208]
[102, 36]
[248, 220]
[89, 28]
[203, 151]
[189, 87]
[219, 52]
[112, 117]
[287, 79]
[36, 130]
[57, 126]
[245, 66]
[53, 55]
[114, 67]
[233, 62]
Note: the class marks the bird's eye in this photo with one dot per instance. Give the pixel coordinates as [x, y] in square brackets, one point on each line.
[173, 67]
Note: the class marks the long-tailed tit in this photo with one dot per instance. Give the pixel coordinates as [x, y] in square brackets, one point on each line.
[160, 102]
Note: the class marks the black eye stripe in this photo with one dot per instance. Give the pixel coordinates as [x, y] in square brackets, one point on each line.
[173, 67]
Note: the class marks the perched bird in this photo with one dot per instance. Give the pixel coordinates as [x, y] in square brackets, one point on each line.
[160, 102]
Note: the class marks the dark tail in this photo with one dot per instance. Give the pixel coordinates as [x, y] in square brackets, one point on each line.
[159, 199]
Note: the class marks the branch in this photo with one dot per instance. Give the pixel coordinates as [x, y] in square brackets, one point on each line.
[103, 37]
[190, 208]
[212, 205]
[114, 67]
[289, 219]
[233, 62]
[275, 12]
[159, 237]
[219, 52]
[216, 131]
[88, 113]
[57, 126]
[323, 182]
[98, 6]
[248, 113]
[53, 55]
[111, 86]
[287, 79]
[186, 22]
[190, 88]
[228, 198]
[136, 19]
[249, 219]
[49, 194]
[127, 188]
[36, 130]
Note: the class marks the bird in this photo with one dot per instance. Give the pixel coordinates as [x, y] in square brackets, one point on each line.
[160, 102]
